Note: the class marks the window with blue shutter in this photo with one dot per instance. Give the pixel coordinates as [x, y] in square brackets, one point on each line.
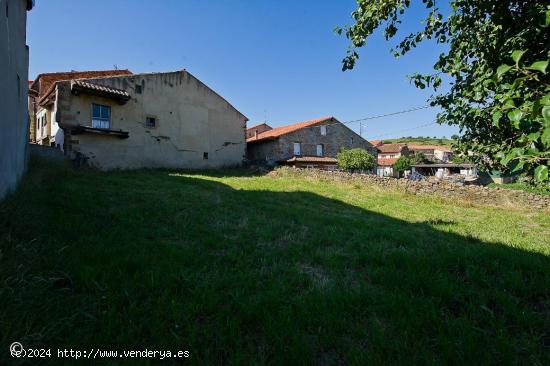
[101, 116]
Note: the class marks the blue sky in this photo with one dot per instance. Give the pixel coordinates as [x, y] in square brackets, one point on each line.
[278, 60]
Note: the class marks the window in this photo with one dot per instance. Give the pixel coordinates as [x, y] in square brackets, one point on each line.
[205, 155]
[351, 140]
[101, 116]
[151, 122]
[43, 121]
[324, 130]
[138, 89]
[297, 148]
[320, 150]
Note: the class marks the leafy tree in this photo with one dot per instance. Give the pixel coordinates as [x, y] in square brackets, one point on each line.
[418, 158]
[356, 159]
[495, 61]
[461, 159]
[455, 137]
[402, 164]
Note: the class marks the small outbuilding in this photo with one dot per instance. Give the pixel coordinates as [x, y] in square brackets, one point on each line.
[444, 170]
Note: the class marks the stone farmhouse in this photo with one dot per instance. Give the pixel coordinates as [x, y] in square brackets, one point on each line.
[312, 144]
[118, 120]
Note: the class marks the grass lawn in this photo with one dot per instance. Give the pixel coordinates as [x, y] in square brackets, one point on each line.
[242, 269]
[522, 187]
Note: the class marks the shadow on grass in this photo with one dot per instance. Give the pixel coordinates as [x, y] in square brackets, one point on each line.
[135, 260]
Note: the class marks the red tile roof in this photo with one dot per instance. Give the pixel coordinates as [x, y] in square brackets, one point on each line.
[279, 131]
[376, 142]
[386, 162]
[389, 148]
[95, 88]
[429, 147]
[46, 81]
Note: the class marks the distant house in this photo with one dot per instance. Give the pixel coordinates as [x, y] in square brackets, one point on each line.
[313, 144]
[376, 143]
[254, 131]
[385, 167]
[150, 120]
[435, 153]
[387, 156]
[14, 69]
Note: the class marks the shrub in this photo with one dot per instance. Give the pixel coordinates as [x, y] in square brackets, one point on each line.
[356, 159]
[402, 164]
[418, 158]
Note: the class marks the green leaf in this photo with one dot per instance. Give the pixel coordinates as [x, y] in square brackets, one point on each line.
[503, 69]
[515, 116]
[547, 17]
[516, 56]
[533, 136]
[496, 118]
[508, 103]
[517, 166]
[545, 137]
[512, 154]
[546, 113]
[539, 66]
[541, 173]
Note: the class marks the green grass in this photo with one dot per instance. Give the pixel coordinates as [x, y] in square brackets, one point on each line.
[420, 141]
[242, 269]
[521, 187]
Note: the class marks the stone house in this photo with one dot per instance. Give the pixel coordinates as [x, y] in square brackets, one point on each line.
[44, 129]
[313, 144]
[14, 69]
[149, 120]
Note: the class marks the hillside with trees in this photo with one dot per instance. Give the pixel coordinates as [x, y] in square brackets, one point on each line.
[421, 140]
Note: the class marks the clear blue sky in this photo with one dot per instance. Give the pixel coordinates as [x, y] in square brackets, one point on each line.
[278, 59]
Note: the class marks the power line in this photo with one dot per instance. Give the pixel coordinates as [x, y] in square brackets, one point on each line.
[405, 130]
[387, 114]
[379, 116]
[374, 117]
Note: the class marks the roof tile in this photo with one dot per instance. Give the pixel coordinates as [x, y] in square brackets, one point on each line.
[279, 131]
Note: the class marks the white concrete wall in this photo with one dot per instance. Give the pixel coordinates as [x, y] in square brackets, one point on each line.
[41, 130]
[192, 120]
[14, 121]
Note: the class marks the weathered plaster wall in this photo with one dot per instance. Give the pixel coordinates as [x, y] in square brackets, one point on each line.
[192, 120]
[14, 65]
[337, 137]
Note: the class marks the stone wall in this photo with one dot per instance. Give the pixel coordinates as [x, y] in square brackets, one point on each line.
[455, 191]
